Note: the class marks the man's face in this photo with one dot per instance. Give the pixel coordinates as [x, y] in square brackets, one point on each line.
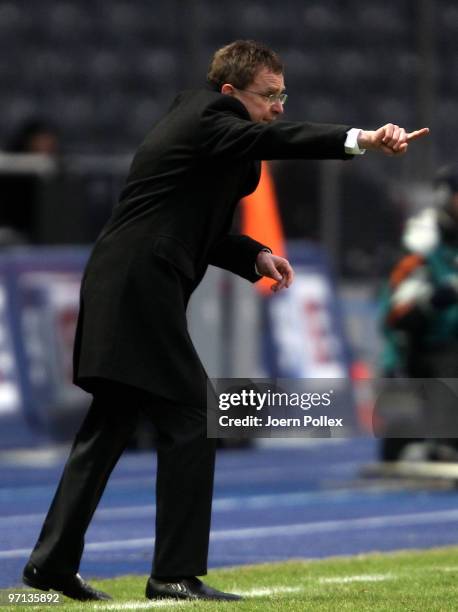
[255, 96]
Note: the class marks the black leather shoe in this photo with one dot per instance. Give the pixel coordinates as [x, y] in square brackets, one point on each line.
[71, 586]
[187, 588]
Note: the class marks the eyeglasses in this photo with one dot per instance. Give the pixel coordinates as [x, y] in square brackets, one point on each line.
[271, 98]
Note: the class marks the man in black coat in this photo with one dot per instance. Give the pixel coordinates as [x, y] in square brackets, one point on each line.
[132, 349]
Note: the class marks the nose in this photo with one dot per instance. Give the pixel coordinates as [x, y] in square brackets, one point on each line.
[277, 108]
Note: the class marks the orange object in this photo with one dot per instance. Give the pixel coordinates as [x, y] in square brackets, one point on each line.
[362, 376]
[261, 220]
[406, 266]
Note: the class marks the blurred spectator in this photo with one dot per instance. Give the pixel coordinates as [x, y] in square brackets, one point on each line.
[35, 135]
[19, 192]
[420, 323]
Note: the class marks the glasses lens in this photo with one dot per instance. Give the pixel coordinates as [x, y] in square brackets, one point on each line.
[278, 98]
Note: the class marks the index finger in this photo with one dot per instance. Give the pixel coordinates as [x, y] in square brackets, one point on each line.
[289, 276]
[417, 134]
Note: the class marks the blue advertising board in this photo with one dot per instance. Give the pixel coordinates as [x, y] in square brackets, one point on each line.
[305, 335]
[39, 299]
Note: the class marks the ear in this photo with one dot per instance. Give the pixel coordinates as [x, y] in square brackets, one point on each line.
[227, 89]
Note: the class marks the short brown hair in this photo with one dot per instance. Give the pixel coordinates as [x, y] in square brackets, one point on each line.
[238, 63]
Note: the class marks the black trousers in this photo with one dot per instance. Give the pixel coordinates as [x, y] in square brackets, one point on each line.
[184, 484]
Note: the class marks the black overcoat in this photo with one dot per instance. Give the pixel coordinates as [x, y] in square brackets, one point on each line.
[172, 221]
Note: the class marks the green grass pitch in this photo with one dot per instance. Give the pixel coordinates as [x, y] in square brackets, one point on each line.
[426, 581]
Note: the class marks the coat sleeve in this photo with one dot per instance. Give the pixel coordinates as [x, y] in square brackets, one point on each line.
[226, 132]
[237, 253]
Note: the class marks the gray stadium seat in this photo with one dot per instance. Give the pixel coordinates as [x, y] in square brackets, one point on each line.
[49, 66]
[151, 22]
[303, 67]
[324, 23]
[68, 21]
[157, 66]
[16, 108]
[10, 17]
[380, 21]
[394, 109]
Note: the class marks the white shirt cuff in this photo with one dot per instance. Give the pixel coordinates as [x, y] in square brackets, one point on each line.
[351, 142]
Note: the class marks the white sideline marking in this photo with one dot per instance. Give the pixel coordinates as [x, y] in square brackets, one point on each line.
[254, 502]
[370, 522]
[271, 591]
[226, 474]
[134, 605]
[262, 592]
[139, 605]
[361, 578]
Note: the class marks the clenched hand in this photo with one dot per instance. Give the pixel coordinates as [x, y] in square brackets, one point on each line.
[275, 267]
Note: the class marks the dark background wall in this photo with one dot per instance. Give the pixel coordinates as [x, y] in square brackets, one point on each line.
[105, 70]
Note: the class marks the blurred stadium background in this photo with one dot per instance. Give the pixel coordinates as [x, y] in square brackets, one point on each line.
[97, 75]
